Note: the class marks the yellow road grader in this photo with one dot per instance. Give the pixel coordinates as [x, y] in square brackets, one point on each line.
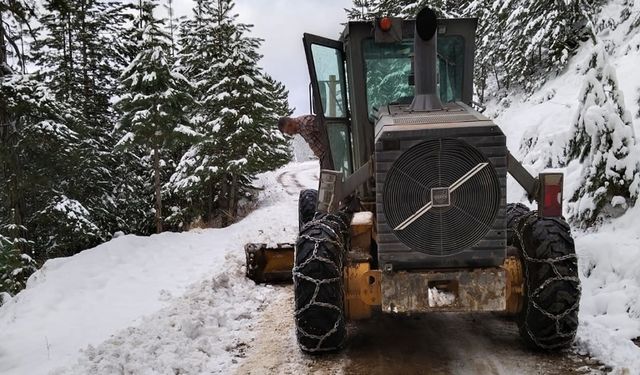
[414, 217]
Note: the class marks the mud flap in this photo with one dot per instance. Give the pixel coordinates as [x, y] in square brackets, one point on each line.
[269, 264]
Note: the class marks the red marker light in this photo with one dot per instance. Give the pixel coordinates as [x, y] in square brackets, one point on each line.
[550, 204]
[385, 23]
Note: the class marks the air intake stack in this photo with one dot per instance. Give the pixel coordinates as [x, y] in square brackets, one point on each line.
[425, 59]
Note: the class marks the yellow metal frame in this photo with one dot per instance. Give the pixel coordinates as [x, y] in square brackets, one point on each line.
[515, 285]
[362, 290]
[361, 284]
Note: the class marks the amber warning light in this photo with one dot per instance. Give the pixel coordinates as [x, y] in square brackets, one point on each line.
[550, 202]
[385, 23]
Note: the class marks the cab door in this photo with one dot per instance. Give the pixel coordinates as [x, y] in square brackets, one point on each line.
[326, 63]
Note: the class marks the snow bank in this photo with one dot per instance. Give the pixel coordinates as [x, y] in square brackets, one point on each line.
[204, 331]
[609, 262]
[82, 300]
[538, 128]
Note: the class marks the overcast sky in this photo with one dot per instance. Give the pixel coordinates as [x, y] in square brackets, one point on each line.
[281, 24]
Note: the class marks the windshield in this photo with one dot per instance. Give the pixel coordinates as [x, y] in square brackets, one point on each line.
[388, 66]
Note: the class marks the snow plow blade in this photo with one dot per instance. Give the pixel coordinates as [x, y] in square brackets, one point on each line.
[269, 264]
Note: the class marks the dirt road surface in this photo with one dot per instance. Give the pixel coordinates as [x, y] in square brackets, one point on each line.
[436, 343]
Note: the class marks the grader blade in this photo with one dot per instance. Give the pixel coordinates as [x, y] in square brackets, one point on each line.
[269, 264]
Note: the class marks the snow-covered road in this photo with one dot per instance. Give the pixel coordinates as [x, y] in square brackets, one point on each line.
[169, 301]
[429, 344]
[179, 303]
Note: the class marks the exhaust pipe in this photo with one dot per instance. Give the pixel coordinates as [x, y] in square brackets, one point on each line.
[425, 51]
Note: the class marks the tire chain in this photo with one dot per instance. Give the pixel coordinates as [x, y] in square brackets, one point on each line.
[341, 238]
[530, 218]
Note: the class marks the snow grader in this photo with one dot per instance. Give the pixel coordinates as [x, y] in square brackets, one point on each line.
[414, 216]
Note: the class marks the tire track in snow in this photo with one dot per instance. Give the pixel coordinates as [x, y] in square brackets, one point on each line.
[291, 180]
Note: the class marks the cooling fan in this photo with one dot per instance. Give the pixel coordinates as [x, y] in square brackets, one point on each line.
[441, 196]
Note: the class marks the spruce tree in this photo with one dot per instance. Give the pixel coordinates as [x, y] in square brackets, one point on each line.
[32, 124]
[489, 69]
[519, 42]
[369, 9]
[80, 55]
[154, 100]
[238, 107]
[542, 35]
[604, 142]
[37, 146]
[361, 10]
[15, 265]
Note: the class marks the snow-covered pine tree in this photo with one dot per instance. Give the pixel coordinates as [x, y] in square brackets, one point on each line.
[35, 144]
[195, 180]
[541, 36]
[238, 107]
[154, 99]
[173, 25]
[246, 121]
[267, 148]
[368, 9]
[37, 149]
[207, 43]
[15, 265]
[490, 48]
[98, 26]
[133, 182]
[80, 54]
[362, 10]
[519, 42]
[605, 143]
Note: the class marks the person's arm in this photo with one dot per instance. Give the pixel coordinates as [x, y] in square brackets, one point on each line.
[317, 147]
[311, 130]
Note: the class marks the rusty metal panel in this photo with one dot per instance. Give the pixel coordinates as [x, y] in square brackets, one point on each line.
[481, 289]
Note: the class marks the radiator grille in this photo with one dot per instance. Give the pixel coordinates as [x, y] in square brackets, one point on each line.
[454, 222]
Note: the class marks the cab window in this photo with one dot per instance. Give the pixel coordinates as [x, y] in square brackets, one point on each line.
[388, 67]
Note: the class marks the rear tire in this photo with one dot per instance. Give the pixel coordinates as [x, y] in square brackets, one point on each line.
[307, 203]
[514, 212]
[319, 284]
[549, 318]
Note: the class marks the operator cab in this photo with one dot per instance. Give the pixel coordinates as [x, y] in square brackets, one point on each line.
[371, 68]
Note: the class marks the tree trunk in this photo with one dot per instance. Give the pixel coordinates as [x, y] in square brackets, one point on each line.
[233, 206]
[70, 61]
[11, 166]
[483, 77]
[173, 44]
[86, 89]
[224, 202]
[210, 197]
[156, 171]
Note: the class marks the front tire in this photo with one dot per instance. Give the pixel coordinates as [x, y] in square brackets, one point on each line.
[307, 203]
[549, 318]
[514, 212]
[319, 284]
